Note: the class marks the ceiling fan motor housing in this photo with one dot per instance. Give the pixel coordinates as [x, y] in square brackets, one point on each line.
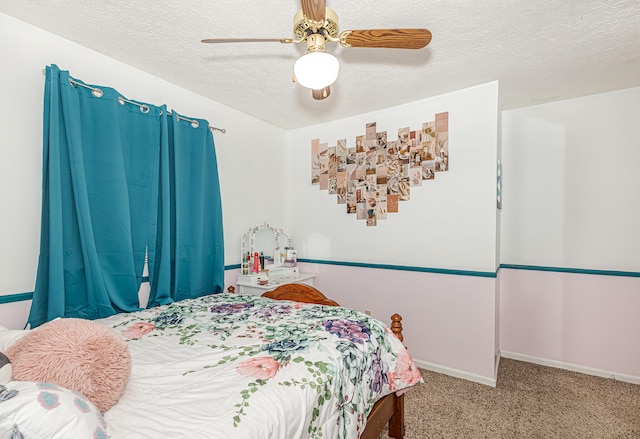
[302, 26]
[315, 43]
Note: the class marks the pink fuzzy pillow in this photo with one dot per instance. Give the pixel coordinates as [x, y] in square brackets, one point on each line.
[77, 354]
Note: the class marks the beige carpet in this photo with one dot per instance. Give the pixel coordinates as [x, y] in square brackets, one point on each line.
[530, 401]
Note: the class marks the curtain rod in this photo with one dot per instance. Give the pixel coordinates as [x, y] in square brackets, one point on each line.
[143, 107]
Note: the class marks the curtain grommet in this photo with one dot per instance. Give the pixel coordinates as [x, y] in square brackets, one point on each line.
[97, 92]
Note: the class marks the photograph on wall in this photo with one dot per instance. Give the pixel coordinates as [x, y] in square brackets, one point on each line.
[361, 212]
[372, 177]
[324, 158]
[341, 147]
[371, 220]
[371, 163]
[360, 191]
[381, 140]
[392, 150]
[393, 167]
[403, 144]
[392, 203]
[351, 203]
[393, 181]
[333, 166]
[381, 205]
[427, 150]
[341, 187]
[342, 162]
[412, 141]
[351, 189]
[381, 157]
[442, 152]
[372, 199]
[360, 144]
[442, 142]
[428, 140]
[371, 182]
[315, 161]
[351, 172]
[324, 182]
[351, 155]
[404, 189]
[381, 174]
[415, 176]
[415, 154]
[370, 205]
[333, 186]
[404, 171]
[428, 169]
[361, 161]
[371, 139]
[370, 131]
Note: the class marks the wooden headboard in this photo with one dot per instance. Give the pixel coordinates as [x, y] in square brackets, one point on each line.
[300, 293]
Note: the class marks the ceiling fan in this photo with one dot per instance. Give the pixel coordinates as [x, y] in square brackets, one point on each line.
[316, 25]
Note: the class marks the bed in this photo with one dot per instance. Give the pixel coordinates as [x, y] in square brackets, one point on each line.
[291, 364]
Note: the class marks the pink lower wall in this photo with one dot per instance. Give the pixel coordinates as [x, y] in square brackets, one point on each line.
[586, 320]
[449, 320]
[457, 323]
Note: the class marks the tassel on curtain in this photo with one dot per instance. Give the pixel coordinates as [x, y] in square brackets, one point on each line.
[118, 179]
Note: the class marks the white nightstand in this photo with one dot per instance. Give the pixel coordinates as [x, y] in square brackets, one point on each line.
[248, 284]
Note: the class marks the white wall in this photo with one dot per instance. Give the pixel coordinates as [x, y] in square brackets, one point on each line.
[571, 200]
[247, 160]
[448, 223]
[571, 183]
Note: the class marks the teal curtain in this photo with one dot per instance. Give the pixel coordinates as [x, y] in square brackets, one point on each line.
[186, 260]
[121, 177]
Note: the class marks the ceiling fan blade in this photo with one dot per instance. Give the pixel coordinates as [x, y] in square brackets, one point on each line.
[314, 10]
[386, 38]
[247, 40]
[321, 94]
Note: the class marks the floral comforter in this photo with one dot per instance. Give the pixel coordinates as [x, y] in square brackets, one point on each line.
[236, 366]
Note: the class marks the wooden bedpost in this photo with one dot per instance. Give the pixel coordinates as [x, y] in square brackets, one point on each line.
[396, 326]
[396, 423]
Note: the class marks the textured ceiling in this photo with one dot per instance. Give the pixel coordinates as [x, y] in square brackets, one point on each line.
[540, 51]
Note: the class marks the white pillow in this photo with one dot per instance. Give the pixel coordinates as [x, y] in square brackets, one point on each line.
[44, 410]
[8, 336]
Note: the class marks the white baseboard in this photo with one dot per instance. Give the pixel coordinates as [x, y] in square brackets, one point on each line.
[572, 367]
[456, 373]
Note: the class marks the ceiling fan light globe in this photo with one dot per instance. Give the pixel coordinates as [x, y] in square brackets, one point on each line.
[316, 70]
